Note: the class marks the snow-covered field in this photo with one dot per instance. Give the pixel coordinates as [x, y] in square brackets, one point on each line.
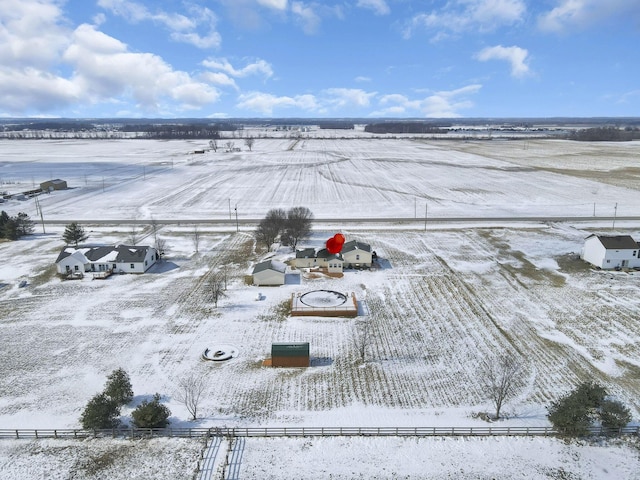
[446, 298]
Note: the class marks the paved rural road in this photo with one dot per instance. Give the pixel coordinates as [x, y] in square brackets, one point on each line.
[333, 221]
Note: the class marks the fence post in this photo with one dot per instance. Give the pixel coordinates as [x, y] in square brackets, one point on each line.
[17, 435]
[36, 432]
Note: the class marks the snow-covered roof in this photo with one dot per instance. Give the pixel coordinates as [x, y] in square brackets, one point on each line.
[270, 265]
[106, 253]
[324, 253]
[355, 245]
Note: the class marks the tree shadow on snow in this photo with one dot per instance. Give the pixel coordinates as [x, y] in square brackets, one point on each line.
[320, 361]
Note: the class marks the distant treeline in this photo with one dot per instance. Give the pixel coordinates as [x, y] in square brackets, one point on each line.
[336, 125]
[84, 129]
[605, 134]
[170, 132]
[406, 127]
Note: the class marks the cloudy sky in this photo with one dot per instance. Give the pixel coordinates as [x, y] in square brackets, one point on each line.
[324, 58]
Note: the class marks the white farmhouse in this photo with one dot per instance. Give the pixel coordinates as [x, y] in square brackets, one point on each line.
[269, 273]
[607, 252]
[357, 254]
[104, 258]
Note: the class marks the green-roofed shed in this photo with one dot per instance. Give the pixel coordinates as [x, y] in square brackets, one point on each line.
[290, 354]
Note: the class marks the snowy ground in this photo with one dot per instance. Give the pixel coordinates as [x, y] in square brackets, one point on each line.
[447, 298]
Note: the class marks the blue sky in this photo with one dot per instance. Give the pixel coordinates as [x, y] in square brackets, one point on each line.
[330, 58]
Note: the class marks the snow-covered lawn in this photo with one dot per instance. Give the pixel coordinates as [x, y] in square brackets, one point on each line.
[446, 298]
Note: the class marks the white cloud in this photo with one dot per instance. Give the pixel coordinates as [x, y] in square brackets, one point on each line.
[275, 4]
[31, 34]
[255, 68]
[441, 104]
[465, 15]
[182, 28]
[379, 7]
[362, 79]
[307, 16]
[220, 79]
[104, 68]
[265, 103]
[583, 13]
[348, 97]
[516, 56]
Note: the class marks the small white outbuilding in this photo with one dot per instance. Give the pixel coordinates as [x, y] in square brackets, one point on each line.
[609, 252]
[269, 273]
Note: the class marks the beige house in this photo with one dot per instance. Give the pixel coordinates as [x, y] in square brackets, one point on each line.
[357, 254]
[269, 273]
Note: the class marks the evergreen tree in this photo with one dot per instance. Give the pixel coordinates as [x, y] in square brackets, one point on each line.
[24, 224]
[74, 234]
[575, 413]
[118, 387]
[614, 414]
[151, 414]
[101, 412]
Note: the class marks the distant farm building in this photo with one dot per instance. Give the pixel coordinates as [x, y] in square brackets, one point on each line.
[611, 252]
[55, 184]
[269, 273]
[290, 354]
[106, 258]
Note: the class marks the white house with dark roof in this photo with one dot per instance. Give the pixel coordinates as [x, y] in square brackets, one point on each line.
[269, 273]
[306, 258]
[609, 252]
[103, 258]
[357, 254]
[333, 262]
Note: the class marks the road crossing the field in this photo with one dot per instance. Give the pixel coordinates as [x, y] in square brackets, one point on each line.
[410, 222]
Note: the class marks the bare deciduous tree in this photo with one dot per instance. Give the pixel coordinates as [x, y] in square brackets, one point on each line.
[134, 235]
[195, 236]
[216, 286]
[229, 146]
[213, 144]
[249, 141]
[299, 221]
[271, 226]
[502, 378]
[190, 391]
[362, 338]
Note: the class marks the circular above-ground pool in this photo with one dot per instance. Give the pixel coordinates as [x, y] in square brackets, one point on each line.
[323, 298]
[220, 353]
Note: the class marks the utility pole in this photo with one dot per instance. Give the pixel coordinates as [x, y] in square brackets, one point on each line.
[39, 210]
[237, 227]
[615, 212]
[425, 215]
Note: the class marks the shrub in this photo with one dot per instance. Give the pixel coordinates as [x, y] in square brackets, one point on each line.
[151, 414]
[118, 387]
[575, 413]
[614, 414]
[101, 412]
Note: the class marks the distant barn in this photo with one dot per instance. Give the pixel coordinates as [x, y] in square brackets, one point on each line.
[55, 184]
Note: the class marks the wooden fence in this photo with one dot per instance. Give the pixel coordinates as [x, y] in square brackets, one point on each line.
[132, 433]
